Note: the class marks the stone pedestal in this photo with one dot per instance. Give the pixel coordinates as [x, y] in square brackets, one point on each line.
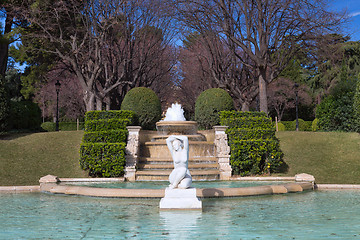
[180, 199]
[132, 149]
[222, 152]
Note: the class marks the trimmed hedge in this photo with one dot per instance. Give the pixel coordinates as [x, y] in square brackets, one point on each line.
[98, 115]
[113, 136]
[63, 126]
[103, 149]
[303, 125]
[208, 105]
[106, 124]
[103, 159]
[253, 144]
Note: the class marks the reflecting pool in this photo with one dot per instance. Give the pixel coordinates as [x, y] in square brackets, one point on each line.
[307, 215]
[164, 184]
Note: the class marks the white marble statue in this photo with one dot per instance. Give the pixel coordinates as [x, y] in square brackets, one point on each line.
[179, 148]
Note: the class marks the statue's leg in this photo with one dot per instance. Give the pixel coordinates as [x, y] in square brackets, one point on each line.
[176, 176]
[186, 182]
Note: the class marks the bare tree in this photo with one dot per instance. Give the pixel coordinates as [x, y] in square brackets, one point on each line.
[268, 32]
[209, 62]
[106, 44]
[281, 95]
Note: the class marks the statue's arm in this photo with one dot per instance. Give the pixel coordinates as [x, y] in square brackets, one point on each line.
[169, 141]
[185, 141]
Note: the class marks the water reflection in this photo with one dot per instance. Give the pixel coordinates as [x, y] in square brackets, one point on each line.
[180, 224]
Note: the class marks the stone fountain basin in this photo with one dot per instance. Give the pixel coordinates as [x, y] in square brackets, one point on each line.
[176, 127]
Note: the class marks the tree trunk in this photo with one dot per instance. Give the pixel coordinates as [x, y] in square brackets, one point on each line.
[263, 94]
[4, 44]
[89, 99]
[99, 104]
[245, 106]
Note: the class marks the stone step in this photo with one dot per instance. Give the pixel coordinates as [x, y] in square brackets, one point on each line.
[160, 149]
[166, 178]
[171, 166]
[167, 160]
[167, 172]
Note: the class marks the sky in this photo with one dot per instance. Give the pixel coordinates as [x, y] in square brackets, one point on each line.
[353, 10]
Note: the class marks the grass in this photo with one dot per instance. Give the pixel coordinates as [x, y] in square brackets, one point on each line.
[331, 157]
[24, 158]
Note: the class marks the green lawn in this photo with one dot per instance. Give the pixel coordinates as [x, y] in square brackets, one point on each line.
[332, 157]
[24, 158]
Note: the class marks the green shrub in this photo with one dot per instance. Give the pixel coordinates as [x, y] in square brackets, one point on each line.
[248, 122]
[70, 126]
[113, 136]
[288, 125]
[98, 115]
[48, 126]
[146, 106]
[106, 124]
[303, 125]
[25, 115]
[249, 157]
[254, 147]
[102, 151]
[4, 107]
[314, 125]
[103, 159]
[208, 106]
[281, 127]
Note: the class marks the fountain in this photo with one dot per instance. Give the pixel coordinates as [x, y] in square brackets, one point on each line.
[154, 156]
[175, 123]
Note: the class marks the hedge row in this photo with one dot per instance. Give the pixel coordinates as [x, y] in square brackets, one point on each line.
[244, 134]
[247, 122]
[106, 124]
[98, 115]
[303, 125]
[63, 126]
[103, 159]
[113, 136]
[103, 149]
[237, 114]
[254, 147]
[255, 156]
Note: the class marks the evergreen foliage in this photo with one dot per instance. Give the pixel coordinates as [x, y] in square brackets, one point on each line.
[337, 112]
[209, 104]
[146, 106]
[4, 107]
[254, 146]
[24, 115]
[102, 151]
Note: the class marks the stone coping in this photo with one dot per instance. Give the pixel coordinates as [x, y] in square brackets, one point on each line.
[15, 189]
[92, 179]
[159, 193]
[285, 179]
[336, 186]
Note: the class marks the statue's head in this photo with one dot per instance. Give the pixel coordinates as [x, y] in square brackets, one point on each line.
[177, 144]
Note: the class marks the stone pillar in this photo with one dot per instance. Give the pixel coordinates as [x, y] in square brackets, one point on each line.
[222, 152]
[132, 150]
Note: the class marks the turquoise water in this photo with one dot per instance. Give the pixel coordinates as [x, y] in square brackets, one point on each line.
[164, 184]
[307, 215]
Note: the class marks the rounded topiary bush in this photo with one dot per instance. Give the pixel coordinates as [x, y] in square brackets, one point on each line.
[209, 104]
[281, 127]
[48, 126]
[315, 125]
[302, 125]
[146, 106]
